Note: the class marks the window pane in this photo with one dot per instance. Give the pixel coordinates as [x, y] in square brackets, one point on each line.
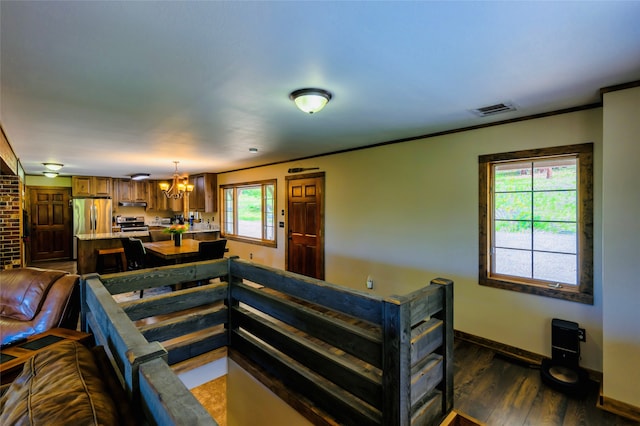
[269, 233]
[558, 237]
[512, 262]
[555, 205]
[555, 174]
[250, 211]
[228, 211]
[536, 221]
[512, 177]
[513, 206]
[250, 208]
[555, 267]
[513, 234]
[269, 214]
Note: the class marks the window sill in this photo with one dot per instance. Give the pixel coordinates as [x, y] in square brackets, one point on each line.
[250, 240]
[571, 295]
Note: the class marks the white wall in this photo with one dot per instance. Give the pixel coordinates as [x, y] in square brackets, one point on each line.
[407, 213]
[621, 246]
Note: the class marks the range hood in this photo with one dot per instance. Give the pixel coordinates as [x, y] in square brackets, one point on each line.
[133, 204]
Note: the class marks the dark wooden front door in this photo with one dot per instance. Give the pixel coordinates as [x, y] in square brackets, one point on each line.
[50, 220]
[305, 245]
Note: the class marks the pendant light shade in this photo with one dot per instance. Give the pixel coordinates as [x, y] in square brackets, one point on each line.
[310, 100]
[178, 188]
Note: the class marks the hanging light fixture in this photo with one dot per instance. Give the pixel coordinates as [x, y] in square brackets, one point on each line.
[179, 187]
[54, 167]
[310, 100]
[140, 176]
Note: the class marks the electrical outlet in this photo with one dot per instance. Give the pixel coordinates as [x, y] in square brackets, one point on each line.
[582, 335]
[251, 256]
[369, 282]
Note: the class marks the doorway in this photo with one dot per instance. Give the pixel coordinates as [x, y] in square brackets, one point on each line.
[49, 223]
[305, 219]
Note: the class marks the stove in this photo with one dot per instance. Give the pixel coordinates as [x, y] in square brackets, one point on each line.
[131, 224]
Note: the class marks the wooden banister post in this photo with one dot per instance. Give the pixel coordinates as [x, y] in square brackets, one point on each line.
[396, 362]
[446, 315]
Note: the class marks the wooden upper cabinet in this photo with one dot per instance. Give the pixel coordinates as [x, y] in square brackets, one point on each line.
[157, 201]
[152, 200]
[129, 191]
[140, 190]
[203, 198]
[81, 186]
[91, 186]
[123, 190]
[103, 186]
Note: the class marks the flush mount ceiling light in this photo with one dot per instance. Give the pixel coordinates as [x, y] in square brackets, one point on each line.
[50, 174]
[310, 100]
[140, 176]
[179, 187]
[253, 150]
[54, 167]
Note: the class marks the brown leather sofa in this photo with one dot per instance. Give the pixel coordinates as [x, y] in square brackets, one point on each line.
[34, 300]
[67, 384]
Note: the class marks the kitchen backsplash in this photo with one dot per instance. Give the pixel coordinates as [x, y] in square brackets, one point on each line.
[153, 218]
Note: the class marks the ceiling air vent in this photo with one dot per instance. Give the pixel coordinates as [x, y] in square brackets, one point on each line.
[494, 109]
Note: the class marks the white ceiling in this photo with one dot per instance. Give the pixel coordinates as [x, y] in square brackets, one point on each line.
[115, 88]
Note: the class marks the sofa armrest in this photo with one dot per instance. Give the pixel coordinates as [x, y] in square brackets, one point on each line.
[60, 308]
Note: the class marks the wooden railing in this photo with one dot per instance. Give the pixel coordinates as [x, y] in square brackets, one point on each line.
[354, 357]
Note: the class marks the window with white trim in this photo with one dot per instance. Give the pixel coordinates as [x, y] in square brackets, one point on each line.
[536, 221]
[248, 212]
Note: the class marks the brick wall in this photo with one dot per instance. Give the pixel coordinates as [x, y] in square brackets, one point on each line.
[10, 216]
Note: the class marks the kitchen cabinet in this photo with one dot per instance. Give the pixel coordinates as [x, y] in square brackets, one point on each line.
[203, 198]
[128, 191]
[152, 201]
[140, 189]
[159, 202]
[91, 186]
[123, 190]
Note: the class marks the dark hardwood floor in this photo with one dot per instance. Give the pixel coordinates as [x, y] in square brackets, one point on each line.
[499, 391]
[63, 265]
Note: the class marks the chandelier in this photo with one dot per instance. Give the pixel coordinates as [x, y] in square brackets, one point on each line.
[179, 187]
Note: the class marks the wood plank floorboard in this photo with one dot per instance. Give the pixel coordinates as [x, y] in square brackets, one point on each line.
[502, 392]
[70, 266]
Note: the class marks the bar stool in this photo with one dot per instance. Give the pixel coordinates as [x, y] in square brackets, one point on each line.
[118, 257]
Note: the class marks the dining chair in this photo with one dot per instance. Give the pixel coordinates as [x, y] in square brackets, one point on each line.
[135, 253]
[159, 235]
[208, 250]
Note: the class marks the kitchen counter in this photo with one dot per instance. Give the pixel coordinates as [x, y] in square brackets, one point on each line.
[134, 234]
[201, 231]
[112, 235]
[89, 244]
[198, 227]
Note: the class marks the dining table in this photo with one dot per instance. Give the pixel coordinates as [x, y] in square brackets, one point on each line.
[167, 250]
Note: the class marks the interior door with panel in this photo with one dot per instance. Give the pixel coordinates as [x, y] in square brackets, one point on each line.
[50, 223]
[305, 219]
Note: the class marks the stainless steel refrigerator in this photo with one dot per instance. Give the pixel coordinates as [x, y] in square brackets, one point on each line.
[90, 216]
